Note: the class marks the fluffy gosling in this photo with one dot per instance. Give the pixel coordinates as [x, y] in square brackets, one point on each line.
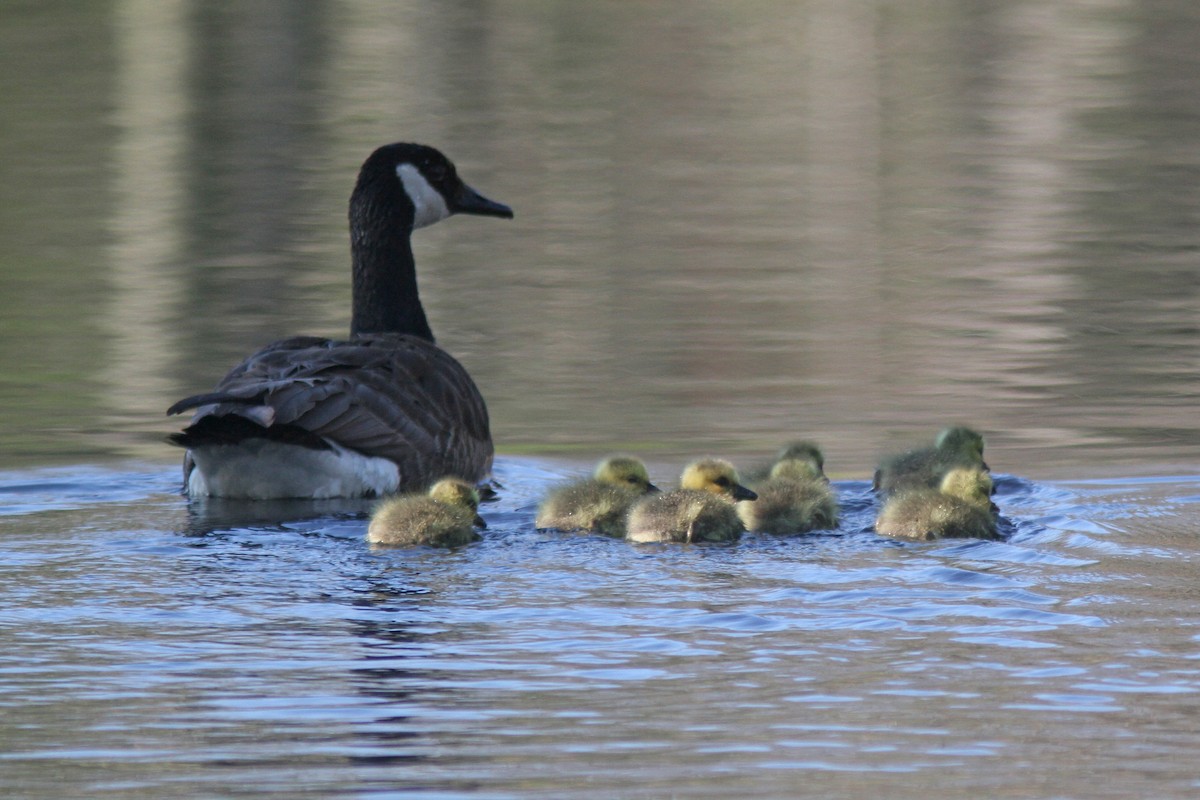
[961, 507]
[795, 498]
[700, 510]
[925, 467]
[600, 503]
[802, 450]
[444, 517]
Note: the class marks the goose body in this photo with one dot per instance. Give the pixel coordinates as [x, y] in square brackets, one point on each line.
[795, 498]
[385, 410]
[445, 517]
[925, 467]
[600, 503]
[960, 507]
[700, 510]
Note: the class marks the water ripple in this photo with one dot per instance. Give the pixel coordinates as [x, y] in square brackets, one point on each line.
[221, 636]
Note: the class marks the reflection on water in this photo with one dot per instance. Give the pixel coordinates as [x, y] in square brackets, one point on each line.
[852, 221]
[145, 657]
[736, 225]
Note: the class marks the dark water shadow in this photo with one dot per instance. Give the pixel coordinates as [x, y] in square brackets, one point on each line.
[212, 514]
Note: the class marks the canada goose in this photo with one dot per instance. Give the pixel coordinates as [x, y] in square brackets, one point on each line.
[700, 510]
[925, 467]
[386, 410]
[795, 498]
[599, 503]
[960, 507]
[446, 516]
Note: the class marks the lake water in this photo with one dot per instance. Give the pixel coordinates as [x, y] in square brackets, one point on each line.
[151, 650]
[737, 224]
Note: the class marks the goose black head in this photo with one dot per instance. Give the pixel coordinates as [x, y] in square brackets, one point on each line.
[422, 181]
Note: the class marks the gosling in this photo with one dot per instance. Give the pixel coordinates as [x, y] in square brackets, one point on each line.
[700, 510]
[600, 503]
[925, 467]
[445, 517]
[803, 450]
[962, 507]
[795, 498]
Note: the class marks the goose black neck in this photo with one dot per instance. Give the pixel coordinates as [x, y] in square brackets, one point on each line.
[384, 272]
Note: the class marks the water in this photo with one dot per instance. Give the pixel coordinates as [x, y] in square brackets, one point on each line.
[736, 226]
[732, 226]
[155, 651]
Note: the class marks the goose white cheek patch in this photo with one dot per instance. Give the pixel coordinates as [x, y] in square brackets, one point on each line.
[429, 204]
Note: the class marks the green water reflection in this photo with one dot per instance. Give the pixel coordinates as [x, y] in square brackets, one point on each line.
[735, 222]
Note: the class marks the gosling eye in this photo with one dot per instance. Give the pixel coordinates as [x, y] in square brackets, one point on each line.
[632, 479]
[722, 481]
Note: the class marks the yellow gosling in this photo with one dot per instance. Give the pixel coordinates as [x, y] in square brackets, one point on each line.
[795, 498]
[700, 510]
[925, 467]
[600, 503]
[961, 507]
[445, 517]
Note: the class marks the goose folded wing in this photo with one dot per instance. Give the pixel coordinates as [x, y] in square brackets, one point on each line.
[383, 395]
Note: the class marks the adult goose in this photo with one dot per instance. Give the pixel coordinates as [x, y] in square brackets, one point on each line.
[386, 410]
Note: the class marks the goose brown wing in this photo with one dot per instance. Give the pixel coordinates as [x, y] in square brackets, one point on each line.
[388, 395]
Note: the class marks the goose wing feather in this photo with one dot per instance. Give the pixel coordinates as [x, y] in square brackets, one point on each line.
[389, 395]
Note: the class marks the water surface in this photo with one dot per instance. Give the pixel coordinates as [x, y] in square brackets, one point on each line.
[736, 224]
[152, 650]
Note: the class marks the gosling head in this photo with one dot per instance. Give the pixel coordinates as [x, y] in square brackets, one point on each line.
[806, 451]
[797, 469]
[717, 476]
[625, 471]
[460, 494]
[961, 441]
[972, 485]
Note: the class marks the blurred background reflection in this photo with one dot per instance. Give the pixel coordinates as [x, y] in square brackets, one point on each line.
[736, 223]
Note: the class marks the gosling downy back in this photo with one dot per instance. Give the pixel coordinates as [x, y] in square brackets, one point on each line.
[925, 467]
[700, 510]
[600, 503]
[961, 507]
[800, 450]
[446, 516]
[795, 498]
